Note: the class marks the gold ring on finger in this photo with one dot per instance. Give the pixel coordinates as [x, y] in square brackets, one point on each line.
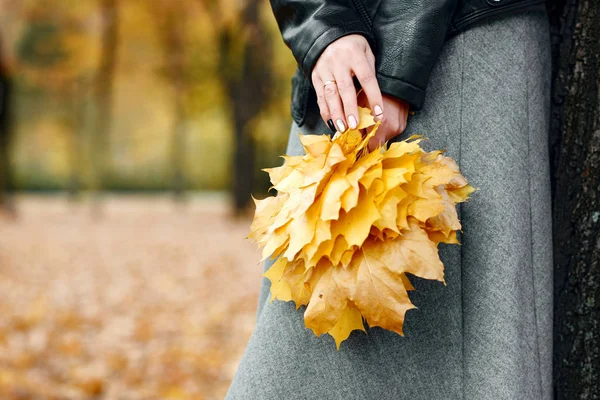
[329, 82]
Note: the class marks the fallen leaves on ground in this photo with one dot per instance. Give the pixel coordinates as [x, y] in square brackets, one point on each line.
[138, 304]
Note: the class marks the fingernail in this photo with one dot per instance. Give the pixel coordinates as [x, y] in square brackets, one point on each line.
[352, 122]
[340, 124]
[378, 110]
[331, 125]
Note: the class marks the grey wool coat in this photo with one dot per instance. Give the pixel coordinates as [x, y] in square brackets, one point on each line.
[488, 333]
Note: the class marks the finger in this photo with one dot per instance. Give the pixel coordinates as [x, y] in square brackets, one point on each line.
[334, 103]
[347, 91]
[370, 59]
[403, 121]
[323, 108]
[379, 138]
[365, 73]
[361, 68]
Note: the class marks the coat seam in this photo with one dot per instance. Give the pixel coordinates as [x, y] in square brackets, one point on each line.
[531, 226]
[462, 285]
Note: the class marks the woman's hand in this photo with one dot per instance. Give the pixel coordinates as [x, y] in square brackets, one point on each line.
[332, 75]
[393, 122]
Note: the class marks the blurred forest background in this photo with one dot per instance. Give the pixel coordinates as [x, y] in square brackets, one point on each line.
[131, 132]
[137, 95]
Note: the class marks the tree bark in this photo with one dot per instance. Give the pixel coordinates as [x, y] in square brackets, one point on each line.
[575, 141]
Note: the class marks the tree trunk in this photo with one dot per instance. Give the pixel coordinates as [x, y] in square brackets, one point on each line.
[575, 139]
[247, 89]
[76, 146]
[104, 94]
[247, 80]
[5, 140]
[173, 43]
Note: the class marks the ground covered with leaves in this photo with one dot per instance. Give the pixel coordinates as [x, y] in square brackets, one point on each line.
[152, 300]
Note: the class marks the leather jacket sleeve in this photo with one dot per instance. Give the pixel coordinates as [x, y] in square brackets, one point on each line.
[309, 26]
[409, 36]
[406, 36]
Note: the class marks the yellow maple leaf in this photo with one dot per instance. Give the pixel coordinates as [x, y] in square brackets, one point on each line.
[350, 320]
[347, 225]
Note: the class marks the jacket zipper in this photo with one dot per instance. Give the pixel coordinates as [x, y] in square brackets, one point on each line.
[358, 4]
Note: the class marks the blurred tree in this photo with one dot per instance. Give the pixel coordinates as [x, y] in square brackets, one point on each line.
[78, 93]
[246, 74]
[171, 17]
[5, 135]
[575, 138]
[104, 94]
[77, 110]
[57, 57]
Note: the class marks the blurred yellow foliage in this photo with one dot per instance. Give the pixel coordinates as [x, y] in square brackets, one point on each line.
[54, 50]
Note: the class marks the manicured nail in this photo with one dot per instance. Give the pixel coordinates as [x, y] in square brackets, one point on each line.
[378, 110]
[352, 122]
[331, 125]
[340, 124]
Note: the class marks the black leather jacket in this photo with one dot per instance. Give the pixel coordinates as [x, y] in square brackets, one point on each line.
[406, 37]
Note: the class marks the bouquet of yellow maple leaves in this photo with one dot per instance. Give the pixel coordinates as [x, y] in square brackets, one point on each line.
[348, 224]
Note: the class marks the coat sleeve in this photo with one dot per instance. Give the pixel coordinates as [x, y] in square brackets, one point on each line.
[309, 26]
[409, 35]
